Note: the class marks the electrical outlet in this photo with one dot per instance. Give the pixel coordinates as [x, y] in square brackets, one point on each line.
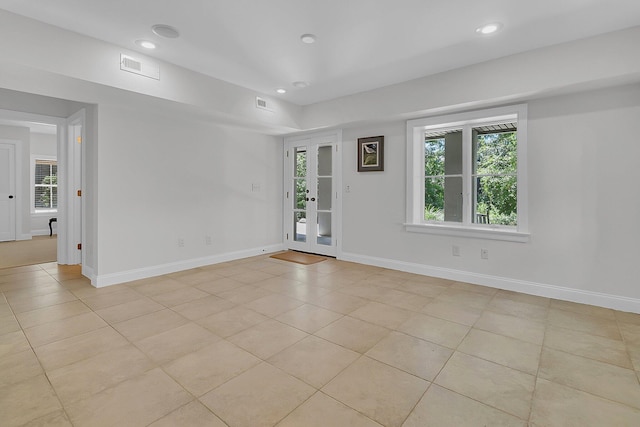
[207, 240]
[455, 250]
[484, 253]
[180, 242]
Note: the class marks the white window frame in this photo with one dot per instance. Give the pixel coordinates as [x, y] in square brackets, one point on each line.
[34, 211]
[416, 130]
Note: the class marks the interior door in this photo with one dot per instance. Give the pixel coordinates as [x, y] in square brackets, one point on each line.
[7, 192]
[311, 194]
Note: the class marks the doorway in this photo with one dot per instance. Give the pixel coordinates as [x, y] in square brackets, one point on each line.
[59, 189]
[312, 202]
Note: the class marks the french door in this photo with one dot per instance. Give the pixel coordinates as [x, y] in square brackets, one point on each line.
[7, 191]
[311, 203]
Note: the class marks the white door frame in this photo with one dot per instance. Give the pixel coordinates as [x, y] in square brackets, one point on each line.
[17, 187]
[74, 139]
[67, 245]
[336, 218]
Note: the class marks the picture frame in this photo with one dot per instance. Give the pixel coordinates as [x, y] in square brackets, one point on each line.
[371, 154]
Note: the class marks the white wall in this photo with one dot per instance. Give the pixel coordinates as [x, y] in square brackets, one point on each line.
[164, 178]
[42, 145]
[23, 219]
[206, 191]
[584, 206]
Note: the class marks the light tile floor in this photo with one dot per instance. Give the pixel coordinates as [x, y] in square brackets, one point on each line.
[262, 342]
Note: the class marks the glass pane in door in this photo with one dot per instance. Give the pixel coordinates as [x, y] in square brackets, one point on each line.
[324, 194]
[324, 228]
[325, 153]
[300, 162]
[300, 196]
[300, 226]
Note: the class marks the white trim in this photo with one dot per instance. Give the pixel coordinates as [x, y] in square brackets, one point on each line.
[74, 221]
[44, 232]
[415, 174]
[615, 302]
[336, 216]
[479, 232]
[337, 175]
[103, 280]
[88, 272]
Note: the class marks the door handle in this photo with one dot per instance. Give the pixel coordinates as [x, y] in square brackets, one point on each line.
[11, 196]
[313, 199]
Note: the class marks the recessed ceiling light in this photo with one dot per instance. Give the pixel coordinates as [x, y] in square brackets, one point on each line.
[166, 31]
[300, 84]
[489, 28]
[308, 38]
[281, 90]
[146, 44]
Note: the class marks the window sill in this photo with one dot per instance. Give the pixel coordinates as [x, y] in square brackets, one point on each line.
[45, 213]
[471, 232]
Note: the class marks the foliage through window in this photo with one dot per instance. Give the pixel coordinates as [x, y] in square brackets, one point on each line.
[494, 175]
[46, 185]
[470, 171]
[300, 203]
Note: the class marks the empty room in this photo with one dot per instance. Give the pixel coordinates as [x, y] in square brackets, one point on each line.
[302, 214]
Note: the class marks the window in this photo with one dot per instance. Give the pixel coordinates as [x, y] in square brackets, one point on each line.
[467, 174]
[45, 187]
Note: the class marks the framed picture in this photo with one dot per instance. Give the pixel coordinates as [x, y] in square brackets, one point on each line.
[371, 154]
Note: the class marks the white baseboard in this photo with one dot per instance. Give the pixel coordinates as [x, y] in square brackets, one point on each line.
[23, 237]
[42, 232]
[89, 273]
[615, 302]
[103, 280]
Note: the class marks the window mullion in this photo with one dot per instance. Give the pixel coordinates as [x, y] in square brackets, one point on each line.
[421, 153]
[467, 203]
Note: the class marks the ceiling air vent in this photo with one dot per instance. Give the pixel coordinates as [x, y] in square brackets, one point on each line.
[131, 64]
[262, 103]
[140, 67]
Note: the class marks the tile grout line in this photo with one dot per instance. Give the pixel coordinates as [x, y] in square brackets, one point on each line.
[42, 368]
[535, 380]
[626, 348]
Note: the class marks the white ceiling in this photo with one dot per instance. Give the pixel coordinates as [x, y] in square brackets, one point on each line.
[361, 44]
